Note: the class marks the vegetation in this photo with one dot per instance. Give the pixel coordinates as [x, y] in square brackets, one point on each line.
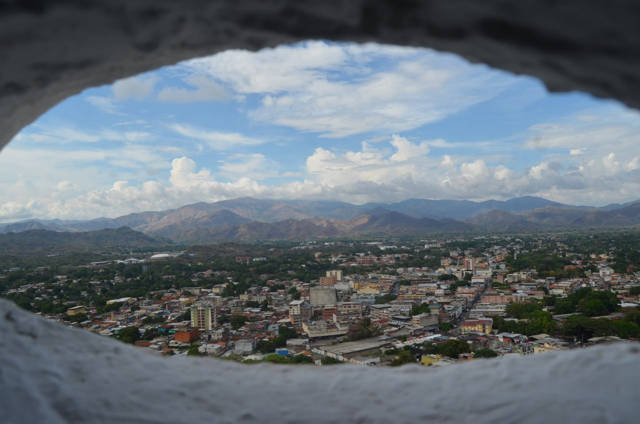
[295, 360]
[451, 348]
[193, 351]
[284, 334]
[531, 320]
[445, 327]
[588, 302]
[326, 360]
[128, 335]
[385, 299]
[362, 330]
[238, 321]
[403, 357]
[582, 328]
[484, 353]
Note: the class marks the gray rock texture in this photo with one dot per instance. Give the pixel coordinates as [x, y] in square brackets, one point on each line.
[50, 50]
[54, 374]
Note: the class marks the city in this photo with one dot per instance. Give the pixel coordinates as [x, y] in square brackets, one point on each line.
[380, 303]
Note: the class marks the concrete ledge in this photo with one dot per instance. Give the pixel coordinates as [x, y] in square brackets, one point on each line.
[54, 374]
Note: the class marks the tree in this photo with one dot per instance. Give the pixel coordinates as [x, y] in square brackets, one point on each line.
[77, 318]
[522, 310]
[485, 353]
[238, 321]
[362, 330]
[626, 329]
[128, 335]
[447, 277]
[385, 299]
[150, 334]
[327, 360]
[445, 326]
[294, 293]
[453, 348]
[404, 357]
[592, 307]
[193, 351]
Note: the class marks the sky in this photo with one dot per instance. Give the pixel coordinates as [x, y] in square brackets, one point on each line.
[318, 120]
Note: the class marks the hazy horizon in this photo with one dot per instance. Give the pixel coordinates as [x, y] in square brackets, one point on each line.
[35, 218]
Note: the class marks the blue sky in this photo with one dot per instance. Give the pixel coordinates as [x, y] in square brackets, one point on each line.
[318, 120]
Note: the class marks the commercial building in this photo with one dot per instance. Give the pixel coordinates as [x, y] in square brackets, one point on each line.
[477, 326]
[320, 296]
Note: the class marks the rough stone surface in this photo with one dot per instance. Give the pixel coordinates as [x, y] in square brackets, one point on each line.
[51, 50]
[55, 374]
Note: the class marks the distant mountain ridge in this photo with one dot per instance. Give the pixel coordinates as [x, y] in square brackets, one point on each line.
[37, 241]
[247, 219]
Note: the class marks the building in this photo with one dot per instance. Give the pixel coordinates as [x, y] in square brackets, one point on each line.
[335, 273]
[76, 310]
[328, 281]
[350, 310]
[186, 336]
[482, 325]
[244, 346]
[320, 296]
[202, 317]
[299, 312]
[424, 320]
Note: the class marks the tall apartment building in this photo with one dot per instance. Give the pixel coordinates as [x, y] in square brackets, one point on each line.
[336, 273]
[299, 312]
[202, 317]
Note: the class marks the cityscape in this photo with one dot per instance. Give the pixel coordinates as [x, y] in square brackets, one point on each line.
[436, 301]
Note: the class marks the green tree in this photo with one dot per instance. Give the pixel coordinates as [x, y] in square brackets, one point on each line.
[362, 330]
[238, 321]
[193, 351]
[326, 360]
[485, 353]
[385, 299]
[403, 357]
[626, 329]
[294, 293]
[445, 326]
[128, 335]
[453, 348]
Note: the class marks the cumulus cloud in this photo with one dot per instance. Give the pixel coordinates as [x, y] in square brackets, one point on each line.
[396, 170]
[300, 87]
[136, 88]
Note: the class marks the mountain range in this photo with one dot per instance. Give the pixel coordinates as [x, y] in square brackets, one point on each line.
[40, 241]
[247, 219]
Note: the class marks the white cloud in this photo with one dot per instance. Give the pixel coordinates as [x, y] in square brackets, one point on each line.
[136, 88]
[105, 104]
[136, 135]
[215, 139]
[300, 87]
[406, 150]
[254, 165]
[203, 89]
